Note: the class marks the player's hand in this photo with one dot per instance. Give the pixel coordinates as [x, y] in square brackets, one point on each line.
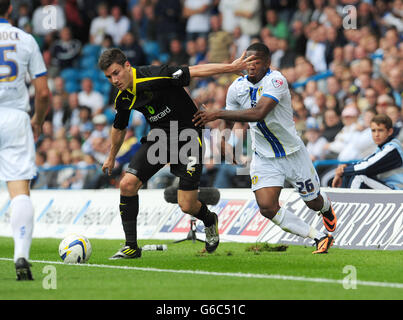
[337, 181]
[242, 62]
[340, 170]
[36, 129]
[108, 166]
[202, 116]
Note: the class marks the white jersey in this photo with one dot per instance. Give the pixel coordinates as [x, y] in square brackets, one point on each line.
[19, 55]
[276, 135]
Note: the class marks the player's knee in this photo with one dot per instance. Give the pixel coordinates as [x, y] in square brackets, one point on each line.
[269, 210]
[186, 207]
[129, 185]
[315, 204]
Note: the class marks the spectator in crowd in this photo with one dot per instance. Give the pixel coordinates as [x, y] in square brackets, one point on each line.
[197, 13]
[303, 13]
[139, 23]
[361, 143]
[65, 51]
[168, 22]
[58, 113]
[332, 124]
[119, 26]
[226, 8]
[90, 98]
[382, 102]
[381, 170]
[316, 49]
[350, 127]
[23, 17]
[315, 142]
[248, 13]
[133, 50]
[241, 41]
[219, 42]
[396, 83]
[99, 24]
[177, 54]
[278, 28]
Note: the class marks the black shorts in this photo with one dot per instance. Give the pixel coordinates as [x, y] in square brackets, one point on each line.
[185, 161]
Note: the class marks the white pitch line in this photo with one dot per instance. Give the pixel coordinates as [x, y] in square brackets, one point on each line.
[226, 274]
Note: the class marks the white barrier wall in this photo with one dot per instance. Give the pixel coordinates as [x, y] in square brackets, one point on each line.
[366, 219]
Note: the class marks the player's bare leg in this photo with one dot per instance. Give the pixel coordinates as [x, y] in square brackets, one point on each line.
[189, 203]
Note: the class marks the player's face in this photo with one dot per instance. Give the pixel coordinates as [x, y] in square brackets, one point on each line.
[259, 67]
[379, 133]
[120, 76]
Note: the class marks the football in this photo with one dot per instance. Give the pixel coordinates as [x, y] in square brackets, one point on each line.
[75, 249]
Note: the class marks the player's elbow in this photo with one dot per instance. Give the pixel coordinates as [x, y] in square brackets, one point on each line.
[42, 94]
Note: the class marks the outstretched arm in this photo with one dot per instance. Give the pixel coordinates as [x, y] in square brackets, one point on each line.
[258, 113]
[210, 69]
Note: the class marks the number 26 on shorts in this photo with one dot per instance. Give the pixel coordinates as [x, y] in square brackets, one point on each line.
[305, 187]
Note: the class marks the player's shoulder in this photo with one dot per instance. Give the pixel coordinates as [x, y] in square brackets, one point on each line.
[239, 82]
[394, 144]
[275, 79]
[22, 35]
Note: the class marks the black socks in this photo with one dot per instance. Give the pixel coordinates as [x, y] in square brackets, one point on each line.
[129, 210]
[206, 216]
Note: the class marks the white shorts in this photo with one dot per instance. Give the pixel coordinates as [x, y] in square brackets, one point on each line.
[296, 168]
[17, 148]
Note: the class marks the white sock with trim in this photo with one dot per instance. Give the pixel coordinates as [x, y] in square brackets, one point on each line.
[291, 223]
[22, 222]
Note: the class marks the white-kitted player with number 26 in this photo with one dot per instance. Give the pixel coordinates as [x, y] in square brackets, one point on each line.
[263, 99]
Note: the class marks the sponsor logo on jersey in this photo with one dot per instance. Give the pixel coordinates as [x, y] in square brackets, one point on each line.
[160, 115]
[277, 83]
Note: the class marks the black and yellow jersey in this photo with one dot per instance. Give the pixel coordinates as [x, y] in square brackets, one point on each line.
[159, 95]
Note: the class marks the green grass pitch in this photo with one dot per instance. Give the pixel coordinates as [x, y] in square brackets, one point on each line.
[184, 272]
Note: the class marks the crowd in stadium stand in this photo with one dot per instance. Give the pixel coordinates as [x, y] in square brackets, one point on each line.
[343, 60]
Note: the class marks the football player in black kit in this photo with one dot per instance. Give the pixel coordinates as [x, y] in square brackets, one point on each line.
[158, 92]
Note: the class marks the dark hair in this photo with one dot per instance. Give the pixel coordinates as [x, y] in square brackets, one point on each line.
[4, 5]
[383, 119]
[260, 47]
[110, 57]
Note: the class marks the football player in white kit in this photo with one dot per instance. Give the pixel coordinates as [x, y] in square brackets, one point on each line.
[20, 56]
[263, 99]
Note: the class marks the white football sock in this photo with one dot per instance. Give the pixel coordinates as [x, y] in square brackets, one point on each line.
[22, 222]
[291, 223]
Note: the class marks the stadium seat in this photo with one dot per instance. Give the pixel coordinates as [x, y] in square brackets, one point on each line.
[164, 57]
[91, 73]
[87, 62]
[72, 86]
[152, 50]
[91, 50]
[70, 74]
